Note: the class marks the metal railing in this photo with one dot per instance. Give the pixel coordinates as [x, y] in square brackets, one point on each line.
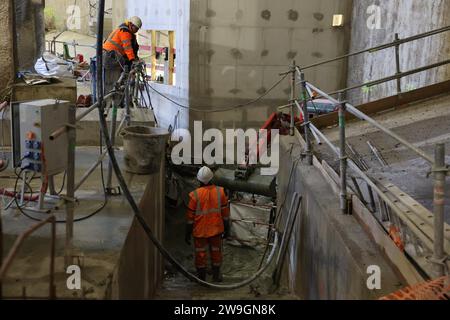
[6, 264]
[437, 162]
[396, 43]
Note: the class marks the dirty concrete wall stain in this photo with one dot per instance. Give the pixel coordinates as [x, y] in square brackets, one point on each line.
[210, 13]
[317, 54]
[318, 16]
[293, 15]
[291, 55]
[239, 14]
[261, 91]
[264, 53]
[266, 14]
[236, 53]
[317, 30]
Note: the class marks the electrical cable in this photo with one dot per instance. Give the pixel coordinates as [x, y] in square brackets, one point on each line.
[63, 183]
[223, 109]
[126, 191]
[96, 211]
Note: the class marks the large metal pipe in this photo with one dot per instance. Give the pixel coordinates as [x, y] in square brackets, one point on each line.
[364, 117]
[255, 184]
[440, 172]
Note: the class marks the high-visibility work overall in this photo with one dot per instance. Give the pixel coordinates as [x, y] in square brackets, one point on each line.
[207, 221]
[120, 50]
[122, 41]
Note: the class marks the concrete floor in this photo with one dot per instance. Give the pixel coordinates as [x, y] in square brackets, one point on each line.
[239, 264]
[98, 243]
[98, 240]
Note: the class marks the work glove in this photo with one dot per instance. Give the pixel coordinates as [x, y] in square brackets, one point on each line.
[226, 233]
[188, 233]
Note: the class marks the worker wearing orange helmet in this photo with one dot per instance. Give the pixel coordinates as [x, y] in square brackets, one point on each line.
[208, 222]
[120, 50]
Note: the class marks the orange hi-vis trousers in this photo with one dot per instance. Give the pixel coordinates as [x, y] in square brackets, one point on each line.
[202, 246]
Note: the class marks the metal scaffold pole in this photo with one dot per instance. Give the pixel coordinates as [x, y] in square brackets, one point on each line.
[307, 124]
[440, 172]
[342, 154]
[292, 126]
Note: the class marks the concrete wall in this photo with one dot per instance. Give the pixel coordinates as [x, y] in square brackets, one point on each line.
[58, 12]
[30, 32]
[141, 269]
[22, 41]
[231, 51]
[6, 44]
[239, 47]
[170, 15]
[406, 17]
[329, 252]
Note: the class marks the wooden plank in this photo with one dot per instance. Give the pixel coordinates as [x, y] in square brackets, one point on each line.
[153, 75]
[399, 102]
[417, 214]
[397, 258]
[415, 225]
[171, 56]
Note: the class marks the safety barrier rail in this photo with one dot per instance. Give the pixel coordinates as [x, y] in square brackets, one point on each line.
[439, 168]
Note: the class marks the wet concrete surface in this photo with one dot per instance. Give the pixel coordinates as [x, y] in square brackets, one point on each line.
[239, 264]
[97, 240]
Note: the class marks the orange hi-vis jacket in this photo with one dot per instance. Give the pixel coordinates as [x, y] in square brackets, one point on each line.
[208, 208]
[121, 40]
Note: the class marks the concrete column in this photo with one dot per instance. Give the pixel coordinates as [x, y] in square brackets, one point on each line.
[29, 32]
[6, 44]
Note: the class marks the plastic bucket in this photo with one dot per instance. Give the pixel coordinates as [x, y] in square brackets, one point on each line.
[144, 148]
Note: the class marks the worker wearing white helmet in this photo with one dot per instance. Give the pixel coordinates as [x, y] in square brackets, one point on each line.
[208, 222]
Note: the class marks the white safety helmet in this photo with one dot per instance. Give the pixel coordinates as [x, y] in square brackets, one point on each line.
[205, 175]
[136, 21]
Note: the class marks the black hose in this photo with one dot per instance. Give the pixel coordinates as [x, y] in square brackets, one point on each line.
[121, 180]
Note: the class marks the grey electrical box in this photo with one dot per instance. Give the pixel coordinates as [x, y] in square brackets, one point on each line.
[32, 124]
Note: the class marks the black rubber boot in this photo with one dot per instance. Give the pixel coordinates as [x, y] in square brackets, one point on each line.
[217, 276]
[201, 273]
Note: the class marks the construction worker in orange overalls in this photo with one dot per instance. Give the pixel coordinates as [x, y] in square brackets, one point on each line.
[208, 222]
[120, 50]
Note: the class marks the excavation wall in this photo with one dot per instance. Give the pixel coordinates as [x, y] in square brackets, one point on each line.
[329, 252]
[140, 269]
[6, 45]
[375, 23]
